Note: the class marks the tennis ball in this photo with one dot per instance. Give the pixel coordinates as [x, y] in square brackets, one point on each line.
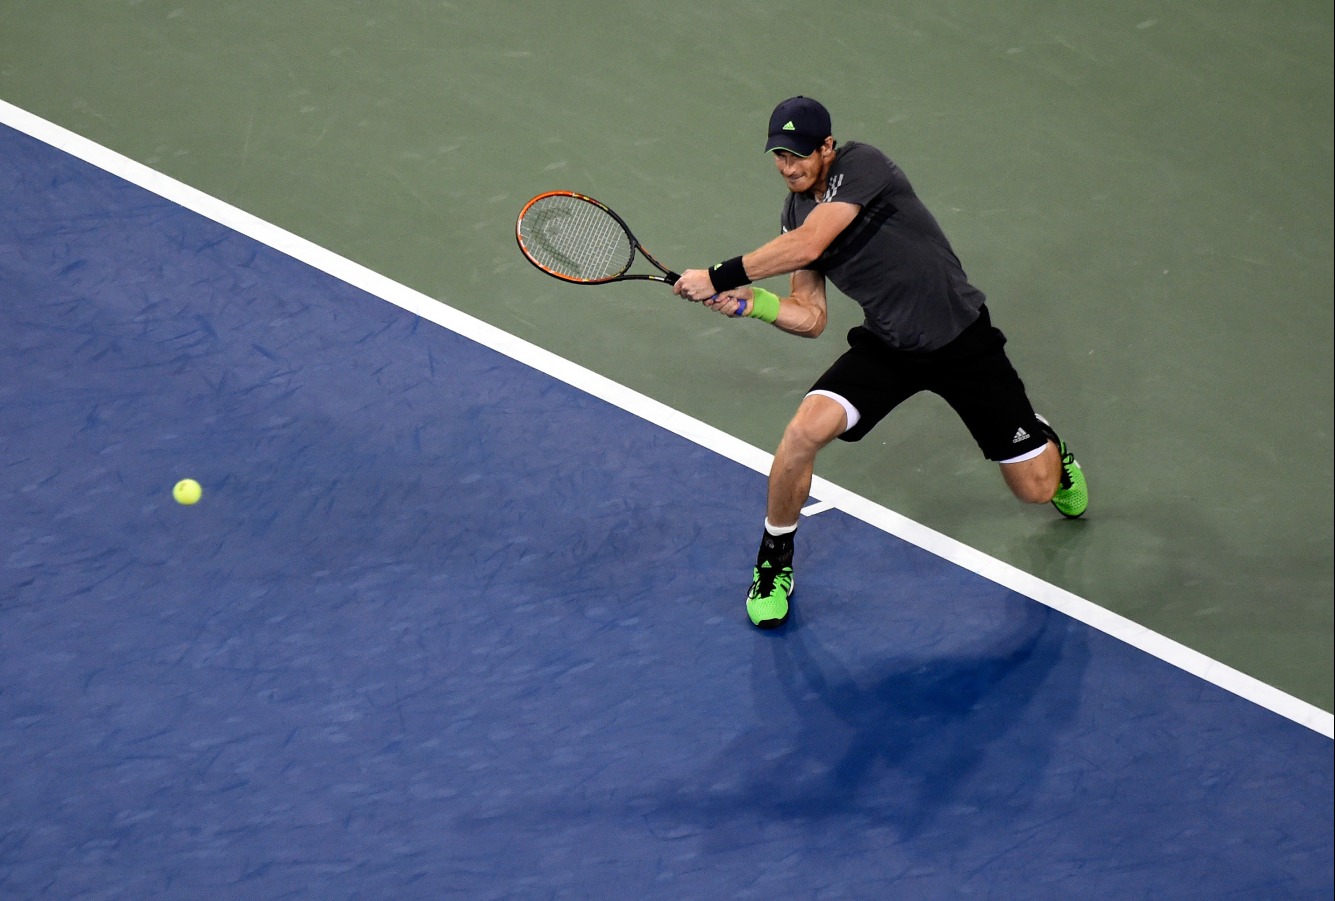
[187, 491]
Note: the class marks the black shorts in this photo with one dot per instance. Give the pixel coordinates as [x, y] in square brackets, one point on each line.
[972, 374]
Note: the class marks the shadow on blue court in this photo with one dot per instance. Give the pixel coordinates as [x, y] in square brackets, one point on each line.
[442, 626]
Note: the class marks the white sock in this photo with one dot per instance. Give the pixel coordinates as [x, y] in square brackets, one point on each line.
[776, 531]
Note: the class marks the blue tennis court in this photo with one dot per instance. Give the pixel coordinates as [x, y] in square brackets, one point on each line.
[446, 626]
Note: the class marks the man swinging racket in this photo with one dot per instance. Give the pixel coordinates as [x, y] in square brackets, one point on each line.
[852, 216]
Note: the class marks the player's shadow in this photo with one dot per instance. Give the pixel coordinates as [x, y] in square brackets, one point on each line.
[888, 748]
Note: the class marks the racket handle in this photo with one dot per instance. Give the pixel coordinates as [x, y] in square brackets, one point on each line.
[671, 277]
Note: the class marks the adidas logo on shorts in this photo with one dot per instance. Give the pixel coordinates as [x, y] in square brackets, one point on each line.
[1020, 435]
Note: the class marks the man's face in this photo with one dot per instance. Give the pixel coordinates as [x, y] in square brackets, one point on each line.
[804, 173]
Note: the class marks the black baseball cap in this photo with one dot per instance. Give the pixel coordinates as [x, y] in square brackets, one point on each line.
[798, 125]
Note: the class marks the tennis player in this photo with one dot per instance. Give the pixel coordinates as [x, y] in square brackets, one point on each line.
[851, 216]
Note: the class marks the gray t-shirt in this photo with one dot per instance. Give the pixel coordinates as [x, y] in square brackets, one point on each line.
[893, 259]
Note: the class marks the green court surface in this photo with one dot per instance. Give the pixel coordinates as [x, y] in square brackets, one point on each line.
[1144, 192]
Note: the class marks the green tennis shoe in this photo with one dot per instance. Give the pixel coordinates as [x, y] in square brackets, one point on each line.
[1072, 496]
[767, 601]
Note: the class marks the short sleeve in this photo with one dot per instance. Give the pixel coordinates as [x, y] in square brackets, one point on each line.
[860, 174]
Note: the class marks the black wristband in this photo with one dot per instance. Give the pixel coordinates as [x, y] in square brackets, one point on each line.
[728, 275]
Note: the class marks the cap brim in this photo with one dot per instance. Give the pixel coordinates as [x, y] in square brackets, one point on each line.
[793, 144]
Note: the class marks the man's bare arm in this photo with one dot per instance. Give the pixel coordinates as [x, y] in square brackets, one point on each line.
[789, 252]
[801, 247]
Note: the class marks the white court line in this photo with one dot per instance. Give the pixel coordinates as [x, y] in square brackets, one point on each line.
[826, 492]
[818, 507]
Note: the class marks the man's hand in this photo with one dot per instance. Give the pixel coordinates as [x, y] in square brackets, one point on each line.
[694, 284]
[730, 303]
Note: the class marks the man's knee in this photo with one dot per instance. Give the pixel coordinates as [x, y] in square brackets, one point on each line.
[1034, 492]
[818, 421]
[1035, 480]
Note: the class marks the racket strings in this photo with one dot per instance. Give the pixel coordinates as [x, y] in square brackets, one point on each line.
[576, 239]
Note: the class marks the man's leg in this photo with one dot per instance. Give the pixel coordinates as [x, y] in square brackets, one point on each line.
[818, 421]
[974, 375]
[1053, 475]
[1034, 480]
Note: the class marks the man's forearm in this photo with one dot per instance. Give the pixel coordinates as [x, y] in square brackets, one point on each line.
[786, 253]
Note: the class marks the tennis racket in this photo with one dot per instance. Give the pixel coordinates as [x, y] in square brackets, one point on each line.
[577, 239]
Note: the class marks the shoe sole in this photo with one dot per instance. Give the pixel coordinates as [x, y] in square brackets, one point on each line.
[768, 624]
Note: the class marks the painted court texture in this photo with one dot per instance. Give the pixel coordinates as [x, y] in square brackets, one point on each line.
[445, 626]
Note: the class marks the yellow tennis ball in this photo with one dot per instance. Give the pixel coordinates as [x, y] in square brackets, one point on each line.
[187, 491]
